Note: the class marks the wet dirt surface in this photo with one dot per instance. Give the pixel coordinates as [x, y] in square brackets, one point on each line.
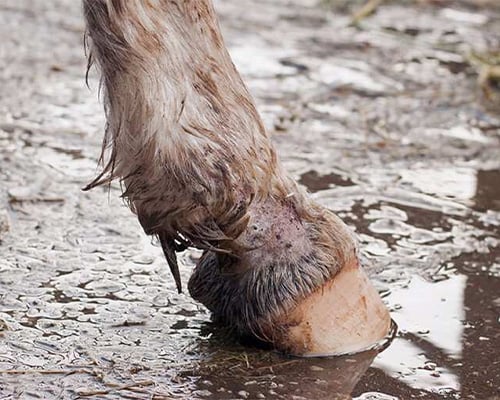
[387, 125]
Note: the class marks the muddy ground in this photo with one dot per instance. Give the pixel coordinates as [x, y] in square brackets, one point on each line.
[392, 123]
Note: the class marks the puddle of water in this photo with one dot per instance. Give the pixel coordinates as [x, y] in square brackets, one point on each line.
[269, 375]
[419, 309]
[82, 290]
[480, 189]
[316, 182]
[487, 196]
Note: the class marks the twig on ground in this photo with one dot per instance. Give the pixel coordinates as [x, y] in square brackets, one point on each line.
[115, 388]
[368, 9]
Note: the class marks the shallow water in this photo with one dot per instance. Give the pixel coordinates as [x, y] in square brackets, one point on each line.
[384, 123]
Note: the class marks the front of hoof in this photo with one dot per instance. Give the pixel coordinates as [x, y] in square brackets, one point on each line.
[345, 315]
[278, 305]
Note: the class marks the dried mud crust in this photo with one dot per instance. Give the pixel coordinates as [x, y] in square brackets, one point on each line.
[389, 119]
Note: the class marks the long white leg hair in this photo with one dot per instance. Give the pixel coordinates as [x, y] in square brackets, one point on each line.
[198, 168]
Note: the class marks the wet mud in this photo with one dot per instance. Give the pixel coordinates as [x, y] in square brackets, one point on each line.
[387, 122]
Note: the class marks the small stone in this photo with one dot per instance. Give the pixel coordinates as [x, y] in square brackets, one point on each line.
[203, 393]
[3, 326]
[430, 366]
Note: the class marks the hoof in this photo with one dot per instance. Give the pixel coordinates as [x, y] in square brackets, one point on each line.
[345, 314]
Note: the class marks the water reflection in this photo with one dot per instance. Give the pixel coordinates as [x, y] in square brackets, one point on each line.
[447, 343]
[452, 182]
[271, 376]
[478, 188]
[431, 313]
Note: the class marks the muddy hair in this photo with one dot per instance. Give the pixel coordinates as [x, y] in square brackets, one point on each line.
[257, 301]
[184, 138]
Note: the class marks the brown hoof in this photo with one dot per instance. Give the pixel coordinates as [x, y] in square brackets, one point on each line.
[345, 315]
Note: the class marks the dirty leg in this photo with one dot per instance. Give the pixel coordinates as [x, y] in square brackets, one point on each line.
[197, 166]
